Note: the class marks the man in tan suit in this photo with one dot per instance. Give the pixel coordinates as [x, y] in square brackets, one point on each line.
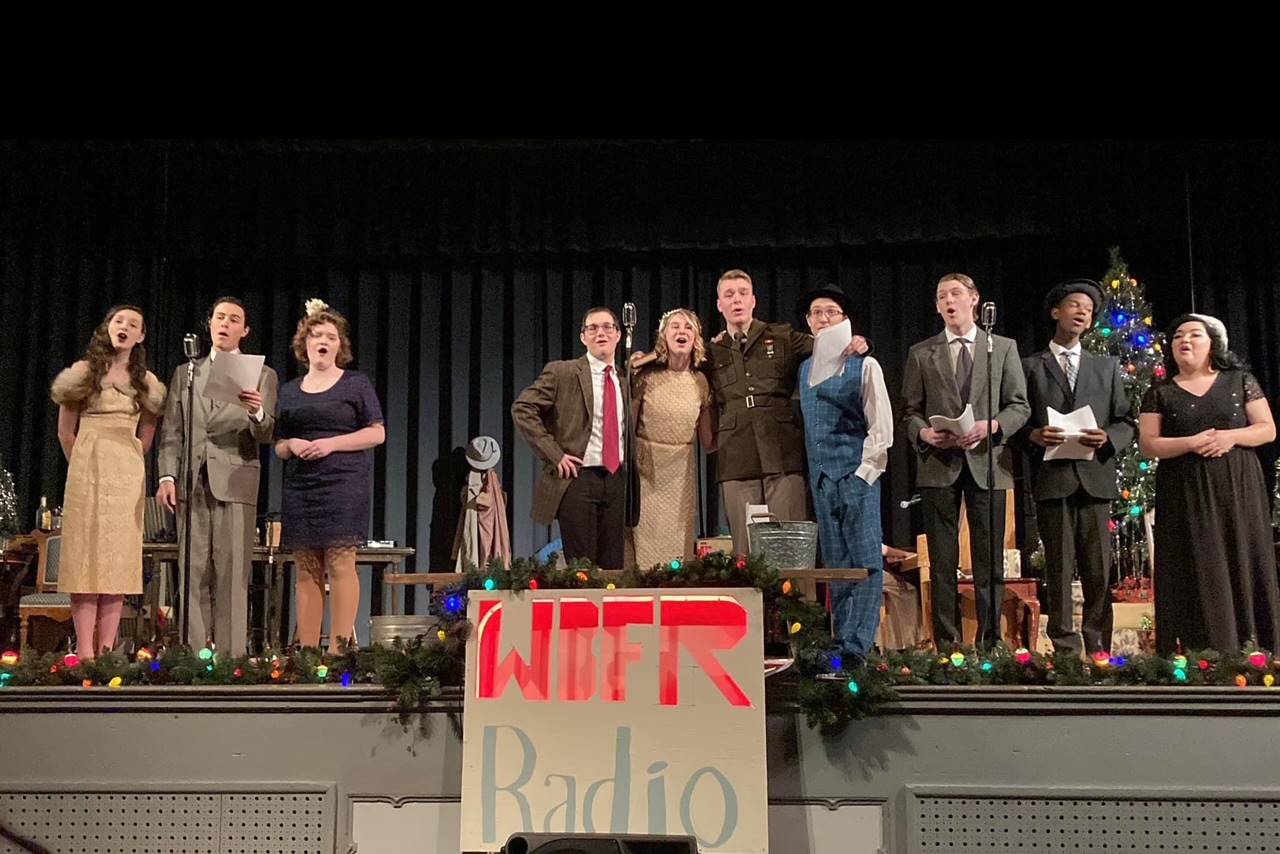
[574, 417]
[224, 495]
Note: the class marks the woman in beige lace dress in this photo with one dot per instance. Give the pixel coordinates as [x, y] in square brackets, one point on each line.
[672, 406]
[107, 408]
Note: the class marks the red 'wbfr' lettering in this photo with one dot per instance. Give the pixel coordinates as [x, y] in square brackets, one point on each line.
[578, 621]
[701, 625]
[534, 676]
[617, 653]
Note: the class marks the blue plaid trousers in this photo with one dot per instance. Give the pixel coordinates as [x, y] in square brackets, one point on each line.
[850, 535]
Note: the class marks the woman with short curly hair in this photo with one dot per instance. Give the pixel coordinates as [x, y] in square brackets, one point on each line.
[329, 417]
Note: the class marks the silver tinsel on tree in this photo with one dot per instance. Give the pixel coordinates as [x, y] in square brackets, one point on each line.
[8, 506]
[1275, 499]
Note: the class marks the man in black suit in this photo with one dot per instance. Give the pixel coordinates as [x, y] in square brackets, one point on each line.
[1073, 497]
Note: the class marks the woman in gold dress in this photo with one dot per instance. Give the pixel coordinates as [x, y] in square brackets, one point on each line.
[108, 404]
[672, 407]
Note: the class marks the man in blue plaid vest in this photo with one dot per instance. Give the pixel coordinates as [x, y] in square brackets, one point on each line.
[848, 429]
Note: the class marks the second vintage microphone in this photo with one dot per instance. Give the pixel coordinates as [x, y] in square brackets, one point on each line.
[629, 319]
[988, 320]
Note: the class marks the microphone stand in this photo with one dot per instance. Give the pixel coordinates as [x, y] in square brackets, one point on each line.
[628, 321]
[997, 571]
[188, 486]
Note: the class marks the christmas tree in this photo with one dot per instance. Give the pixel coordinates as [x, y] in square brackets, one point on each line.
[1123, 330]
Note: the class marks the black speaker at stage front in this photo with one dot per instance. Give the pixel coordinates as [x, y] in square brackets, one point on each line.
[598, 843]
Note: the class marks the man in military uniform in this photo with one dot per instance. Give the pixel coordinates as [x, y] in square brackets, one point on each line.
[753, 369]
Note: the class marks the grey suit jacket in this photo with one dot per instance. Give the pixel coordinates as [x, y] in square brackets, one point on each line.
[929, 388]
[554, 416]
[225, 438]
[1098, 386]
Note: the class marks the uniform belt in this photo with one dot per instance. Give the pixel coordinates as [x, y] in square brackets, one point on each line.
[751, 401]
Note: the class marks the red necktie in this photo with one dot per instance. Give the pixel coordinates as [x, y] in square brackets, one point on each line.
[610, 453]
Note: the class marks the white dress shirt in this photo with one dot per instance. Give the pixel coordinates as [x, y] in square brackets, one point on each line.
[954, 352]
[879, 412]
[594, 455]
[1059, 351]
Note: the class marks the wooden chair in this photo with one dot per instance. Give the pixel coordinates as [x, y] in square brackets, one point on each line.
[46, 601]
[901, 623]
[966, 559]
[143, 619]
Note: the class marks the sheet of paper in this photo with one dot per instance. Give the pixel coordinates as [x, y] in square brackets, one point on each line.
[231, 374]
[1073, 424]
[828, 348]
[958, 426]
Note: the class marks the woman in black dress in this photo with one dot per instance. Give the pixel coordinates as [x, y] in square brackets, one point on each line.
[329, 418]
[1215, 578]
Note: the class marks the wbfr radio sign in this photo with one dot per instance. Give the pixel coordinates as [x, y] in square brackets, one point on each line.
[594, 711]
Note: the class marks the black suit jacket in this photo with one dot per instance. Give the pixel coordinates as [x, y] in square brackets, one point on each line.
[1098, 386]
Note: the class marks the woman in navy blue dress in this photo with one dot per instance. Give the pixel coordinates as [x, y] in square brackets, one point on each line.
[329, 418]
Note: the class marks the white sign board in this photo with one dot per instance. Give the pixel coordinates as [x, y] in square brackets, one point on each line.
[615, 711]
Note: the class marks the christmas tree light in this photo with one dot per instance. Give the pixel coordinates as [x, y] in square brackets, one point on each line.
[1139, 351]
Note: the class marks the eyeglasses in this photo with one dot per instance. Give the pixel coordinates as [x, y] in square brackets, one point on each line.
[593, 328]
[829, 313]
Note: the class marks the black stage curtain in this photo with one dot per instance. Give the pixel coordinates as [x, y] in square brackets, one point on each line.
[465, 265]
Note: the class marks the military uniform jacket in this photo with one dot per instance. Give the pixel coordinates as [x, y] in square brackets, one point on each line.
[761, 432]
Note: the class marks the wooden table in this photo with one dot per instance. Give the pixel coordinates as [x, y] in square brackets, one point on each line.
[16, 562]
[379, 559]
[1021, 606]
[448, 579]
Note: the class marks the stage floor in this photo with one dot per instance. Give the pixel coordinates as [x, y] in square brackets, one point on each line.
[323, 768]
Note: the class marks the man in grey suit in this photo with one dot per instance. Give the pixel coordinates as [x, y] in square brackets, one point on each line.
[943, 374]
[1073, 497]
[574, 416]
[224, 497]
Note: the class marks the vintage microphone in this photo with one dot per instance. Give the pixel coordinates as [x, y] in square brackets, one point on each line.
[629, 323]
[191, 350]
[988, 323]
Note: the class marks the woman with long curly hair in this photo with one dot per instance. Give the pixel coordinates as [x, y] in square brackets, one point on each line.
[108, 404]
[672, 407]
[328, 418]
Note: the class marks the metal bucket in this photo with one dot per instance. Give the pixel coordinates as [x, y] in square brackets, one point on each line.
[386, 629]
[785, 545]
